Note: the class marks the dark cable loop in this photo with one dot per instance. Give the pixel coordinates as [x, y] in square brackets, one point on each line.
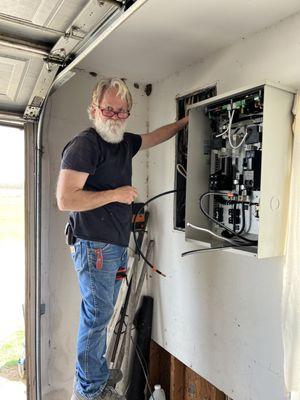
[249, 241]
[134, 230]
[243, 219]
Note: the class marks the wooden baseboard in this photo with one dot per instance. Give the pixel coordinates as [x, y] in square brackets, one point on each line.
[178, 381]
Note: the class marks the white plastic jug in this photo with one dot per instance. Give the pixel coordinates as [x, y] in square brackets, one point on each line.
[158, 393]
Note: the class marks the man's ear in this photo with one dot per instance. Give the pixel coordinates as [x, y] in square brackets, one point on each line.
[93, 112]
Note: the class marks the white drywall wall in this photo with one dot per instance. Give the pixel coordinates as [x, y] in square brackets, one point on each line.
[220, 313]
[66, 116]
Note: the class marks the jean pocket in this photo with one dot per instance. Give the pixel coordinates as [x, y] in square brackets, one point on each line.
[76, 254]
[104, 257]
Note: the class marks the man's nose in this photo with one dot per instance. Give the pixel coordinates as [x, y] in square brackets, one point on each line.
[115, 116]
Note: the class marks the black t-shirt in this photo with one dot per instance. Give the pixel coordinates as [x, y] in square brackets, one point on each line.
[109, 167]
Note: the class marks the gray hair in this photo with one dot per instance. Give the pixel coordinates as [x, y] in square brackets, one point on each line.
[117, 83]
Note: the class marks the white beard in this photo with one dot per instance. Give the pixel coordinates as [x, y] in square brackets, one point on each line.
[111, 131]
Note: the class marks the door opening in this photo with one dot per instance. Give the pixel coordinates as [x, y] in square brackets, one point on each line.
[12, 266]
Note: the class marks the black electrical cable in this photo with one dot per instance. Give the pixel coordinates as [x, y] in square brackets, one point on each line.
[243, 219]
[241, 230]
[188, 253]
[249, 241]
[233, 217]
[154, 268]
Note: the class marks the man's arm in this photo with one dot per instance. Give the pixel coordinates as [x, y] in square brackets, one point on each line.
[71, 196]
[162, 134]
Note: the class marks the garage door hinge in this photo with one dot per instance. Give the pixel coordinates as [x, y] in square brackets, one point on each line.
[75, 33]
[57, 57]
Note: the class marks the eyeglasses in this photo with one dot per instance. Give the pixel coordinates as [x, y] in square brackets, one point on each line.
[107, 112]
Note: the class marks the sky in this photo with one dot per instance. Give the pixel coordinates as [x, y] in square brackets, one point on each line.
[11, 155]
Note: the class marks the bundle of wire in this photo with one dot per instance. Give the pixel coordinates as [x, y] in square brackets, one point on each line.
[234, 233]
[233, 243]
[241, 241]
[154, 268]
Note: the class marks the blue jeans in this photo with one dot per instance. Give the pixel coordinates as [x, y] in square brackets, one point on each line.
[96, 264]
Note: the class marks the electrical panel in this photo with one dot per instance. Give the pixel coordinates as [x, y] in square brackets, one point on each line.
[238, 170]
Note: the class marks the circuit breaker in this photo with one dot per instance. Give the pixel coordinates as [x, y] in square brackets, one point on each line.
[238, 170]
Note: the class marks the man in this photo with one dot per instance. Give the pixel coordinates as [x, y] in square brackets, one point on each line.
[94, 184]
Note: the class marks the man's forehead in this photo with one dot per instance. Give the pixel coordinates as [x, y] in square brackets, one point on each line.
[110, 95]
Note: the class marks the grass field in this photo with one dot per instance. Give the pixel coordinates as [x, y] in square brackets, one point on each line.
[11, 350]
[11, 213]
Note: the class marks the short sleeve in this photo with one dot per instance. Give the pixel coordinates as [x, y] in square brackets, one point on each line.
[135, 142]
[81, 154]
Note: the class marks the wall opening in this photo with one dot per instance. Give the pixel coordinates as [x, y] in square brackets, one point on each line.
[181, 151]
[12, 267]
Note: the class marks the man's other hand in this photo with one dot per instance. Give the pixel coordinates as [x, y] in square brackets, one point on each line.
[125, 194]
